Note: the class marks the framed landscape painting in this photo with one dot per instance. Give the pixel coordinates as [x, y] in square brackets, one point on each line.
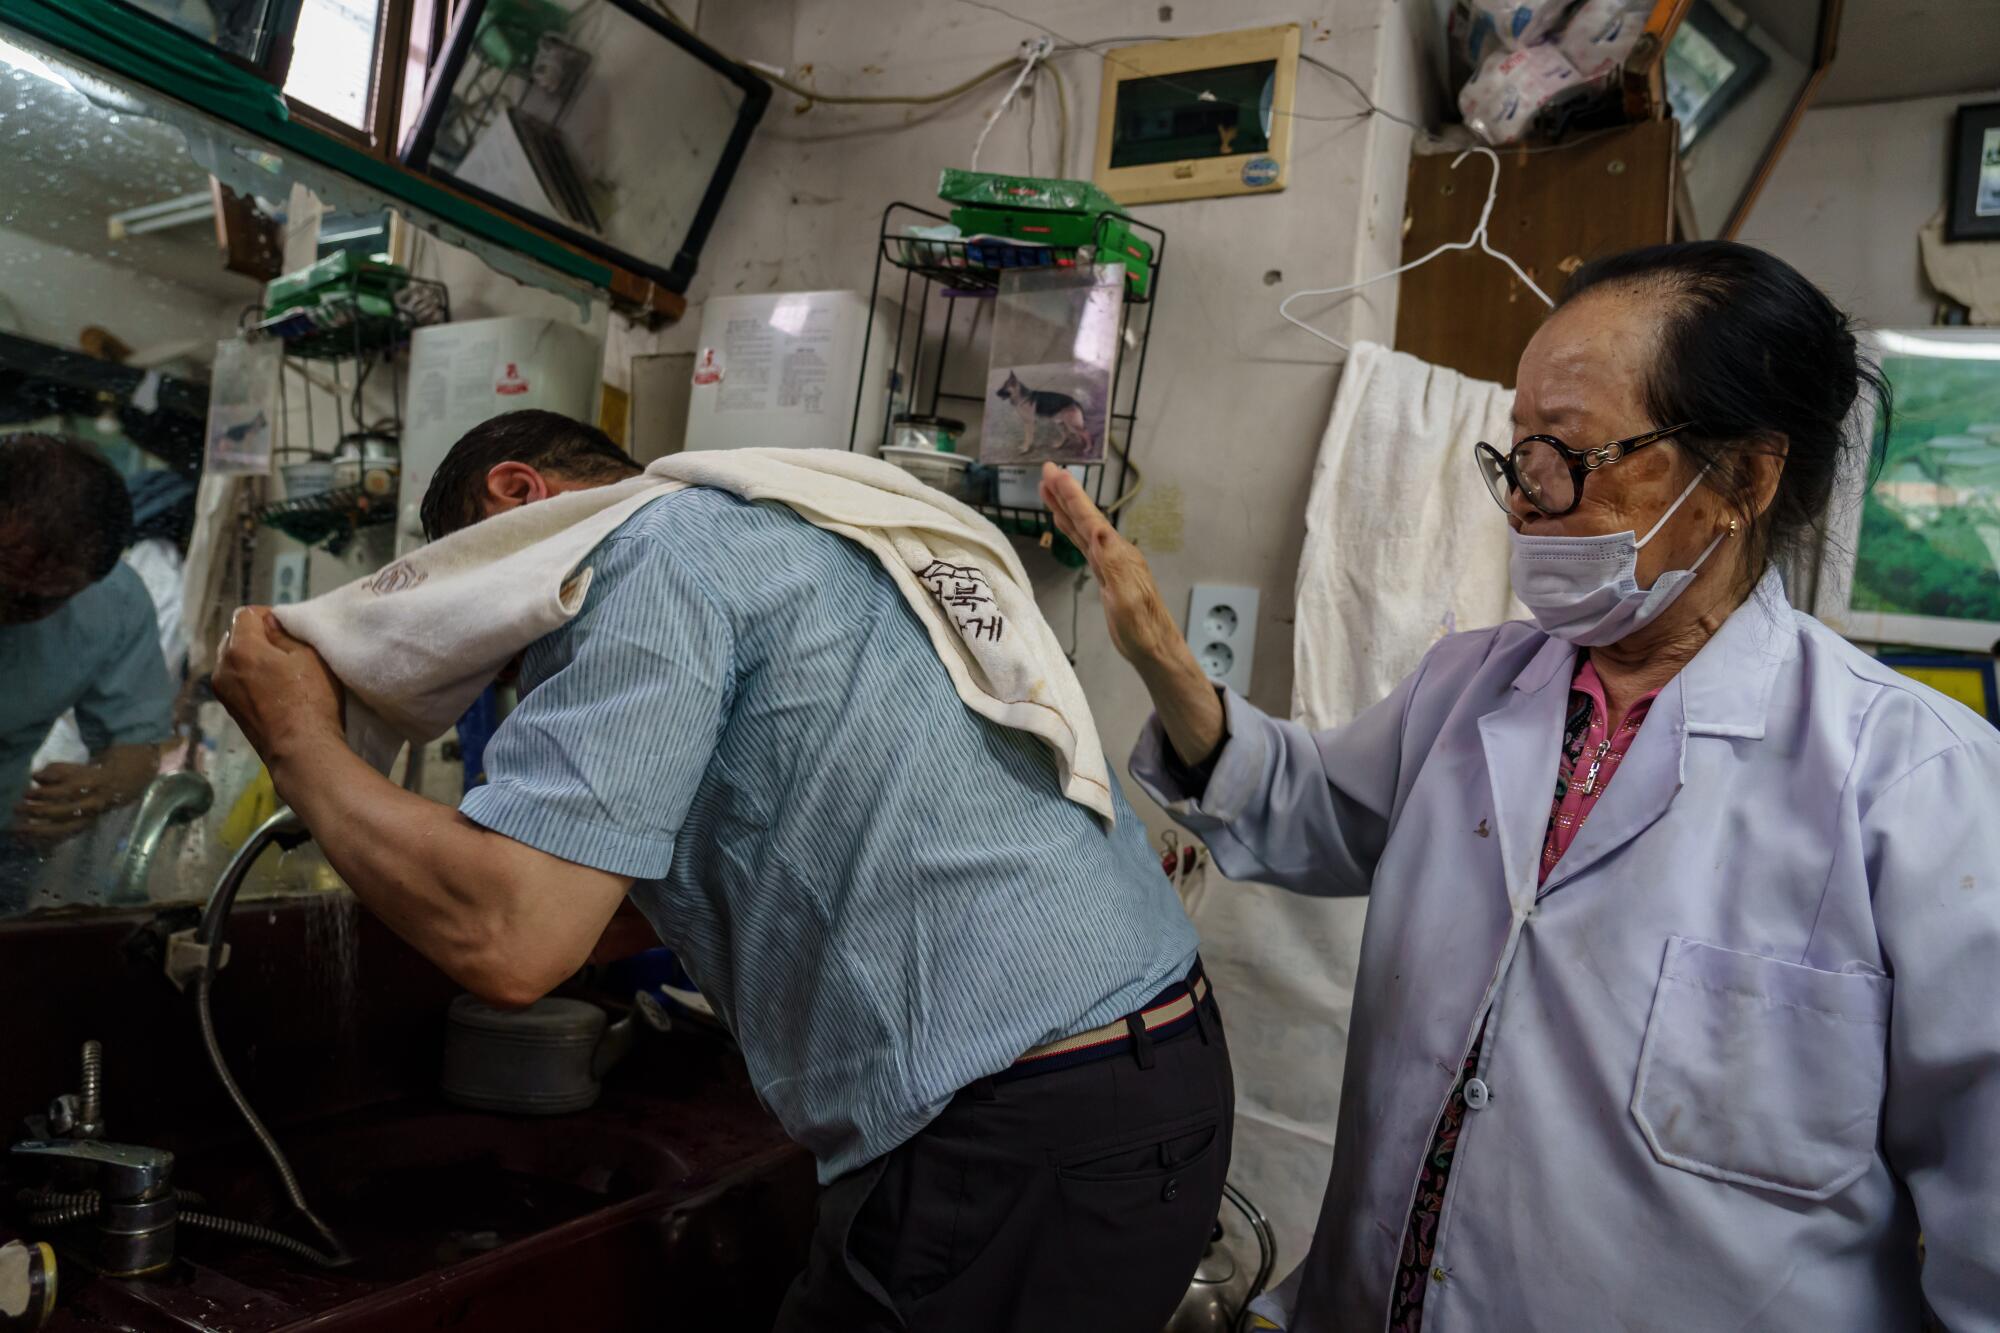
[1914, 555]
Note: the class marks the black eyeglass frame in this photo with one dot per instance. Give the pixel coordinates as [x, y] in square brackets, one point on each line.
[1582, 462]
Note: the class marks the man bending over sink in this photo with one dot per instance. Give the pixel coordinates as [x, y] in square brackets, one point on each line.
[968, 998]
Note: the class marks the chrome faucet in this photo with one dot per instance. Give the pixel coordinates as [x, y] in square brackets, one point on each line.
[170, 799]
[197, 954]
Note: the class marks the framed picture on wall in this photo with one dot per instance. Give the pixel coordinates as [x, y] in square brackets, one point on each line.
[1913, 556]
[1709, 66]
[1975, 175]
[1970, 680]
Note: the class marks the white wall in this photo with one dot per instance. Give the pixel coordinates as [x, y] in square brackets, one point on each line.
[1845, 201]
[1234, 398]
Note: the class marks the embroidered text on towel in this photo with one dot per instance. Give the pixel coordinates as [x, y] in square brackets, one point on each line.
[963, 589]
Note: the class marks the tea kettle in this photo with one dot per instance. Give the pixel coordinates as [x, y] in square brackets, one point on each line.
[1218, 1299]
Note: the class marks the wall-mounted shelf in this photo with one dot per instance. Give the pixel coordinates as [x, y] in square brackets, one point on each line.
[330, 518]
[356, 319]
[942, 286]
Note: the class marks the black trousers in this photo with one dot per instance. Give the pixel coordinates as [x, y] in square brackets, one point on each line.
[1078, 1199]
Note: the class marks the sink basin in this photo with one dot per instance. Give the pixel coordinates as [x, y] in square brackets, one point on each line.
[410, 1189]
[633, 1215]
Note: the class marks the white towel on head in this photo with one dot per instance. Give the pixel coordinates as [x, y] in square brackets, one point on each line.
[415, 643]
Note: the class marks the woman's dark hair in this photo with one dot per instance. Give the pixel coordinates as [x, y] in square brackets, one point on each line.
[545, 441]
[1758, 359]
[70, 501]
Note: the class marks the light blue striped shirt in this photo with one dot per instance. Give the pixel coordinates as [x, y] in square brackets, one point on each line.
[883, 894]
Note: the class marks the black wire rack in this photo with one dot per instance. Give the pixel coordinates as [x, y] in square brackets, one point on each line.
[347, 323]
[329, 518]
[940, 276]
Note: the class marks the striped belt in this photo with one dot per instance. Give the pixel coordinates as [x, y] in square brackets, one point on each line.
[1170, 1012]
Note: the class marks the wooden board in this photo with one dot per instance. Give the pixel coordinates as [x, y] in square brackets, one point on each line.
[1555, 210]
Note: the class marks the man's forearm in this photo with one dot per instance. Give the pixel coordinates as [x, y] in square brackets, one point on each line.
[434, 877]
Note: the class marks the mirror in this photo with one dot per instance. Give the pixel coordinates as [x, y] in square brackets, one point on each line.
[1737, 76]
[253, 32]
[599, 121]
[113, 294]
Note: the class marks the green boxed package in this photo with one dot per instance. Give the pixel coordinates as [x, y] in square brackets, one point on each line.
[1068, 229]
[305, 286]
[1117, 243]
[1040, 193]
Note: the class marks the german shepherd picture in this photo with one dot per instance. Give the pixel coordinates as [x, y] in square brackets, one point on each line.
[1051, 422]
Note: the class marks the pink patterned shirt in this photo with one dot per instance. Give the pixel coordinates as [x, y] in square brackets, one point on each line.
[1589, 758]
[1591, 753]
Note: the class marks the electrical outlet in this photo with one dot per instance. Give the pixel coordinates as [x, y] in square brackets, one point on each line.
[288, 577]
[1222, 630]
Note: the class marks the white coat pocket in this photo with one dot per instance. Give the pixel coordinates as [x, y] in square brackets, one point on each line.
[1763, 1072]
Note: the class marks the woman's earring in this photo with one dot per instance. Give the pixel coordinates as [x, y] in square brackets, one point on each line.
[1732, 527]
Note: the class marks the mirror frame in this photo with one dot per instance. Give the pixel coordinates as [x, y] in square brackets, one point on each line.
[135, 48]
[1645, 90]
[674, 276]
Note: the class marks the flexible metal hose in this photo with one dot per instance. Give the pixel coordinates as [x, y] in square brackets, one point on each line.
[60, 1200]
[62, 1217]
[61, 1208]
[87, 1199]
[90, 1101]
[250, 1231]
[286, 1177]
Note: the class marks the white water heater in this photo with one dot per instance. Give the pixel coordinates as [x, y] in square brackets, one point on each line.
[783, 370]
[463, 374]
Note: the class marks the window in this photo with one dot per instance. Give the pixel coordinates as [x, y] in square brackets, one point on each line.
[333, 58]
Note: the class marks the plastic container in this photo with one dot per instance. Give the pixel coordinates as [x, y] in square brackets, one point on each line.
[1021, 487]
[944, 471]
[309, 478]
[933, 245]
[938, 434]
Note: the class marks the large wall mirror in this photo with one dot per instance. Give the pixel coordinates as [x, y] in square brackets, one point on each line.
[601, 122]
[1736, 75]
[114, 292]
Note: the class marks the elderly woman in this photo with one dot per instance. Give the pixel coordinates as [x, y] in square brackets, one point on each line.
[1679, 1000]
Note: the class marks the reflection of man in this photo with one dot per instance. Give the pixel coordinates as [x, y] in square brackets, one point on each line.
[77, 631]
[888, 897]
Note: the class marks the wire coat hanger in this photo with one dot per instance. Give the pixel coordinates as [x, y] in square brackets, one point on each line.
[1476, 241]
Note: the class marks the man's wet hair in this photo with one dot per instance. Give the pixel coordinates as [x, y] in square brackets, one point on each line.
[546, 441]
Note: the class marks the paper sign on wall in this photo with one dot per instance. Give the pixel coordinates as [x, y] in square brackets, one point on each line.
[243, 405]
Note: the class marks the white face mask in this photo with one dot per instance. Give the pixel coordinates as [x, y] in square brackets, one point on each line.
[1586, 589]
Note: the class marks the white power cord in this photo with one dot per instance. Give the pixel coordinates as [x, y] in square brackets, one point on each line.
[1032, 54]
[1478, 240]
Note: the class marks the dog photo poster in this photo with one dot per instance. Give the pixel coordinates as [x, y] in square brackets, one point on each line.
[1055, 345]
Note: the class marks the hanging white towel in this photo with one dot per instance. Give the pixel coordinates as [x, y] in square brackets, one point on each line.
[1403, 544]
[415, 643]
[1403, 541]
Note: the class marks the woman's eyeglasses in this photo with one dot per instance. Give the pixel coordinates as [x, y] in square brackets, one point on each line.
[1550, 473]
